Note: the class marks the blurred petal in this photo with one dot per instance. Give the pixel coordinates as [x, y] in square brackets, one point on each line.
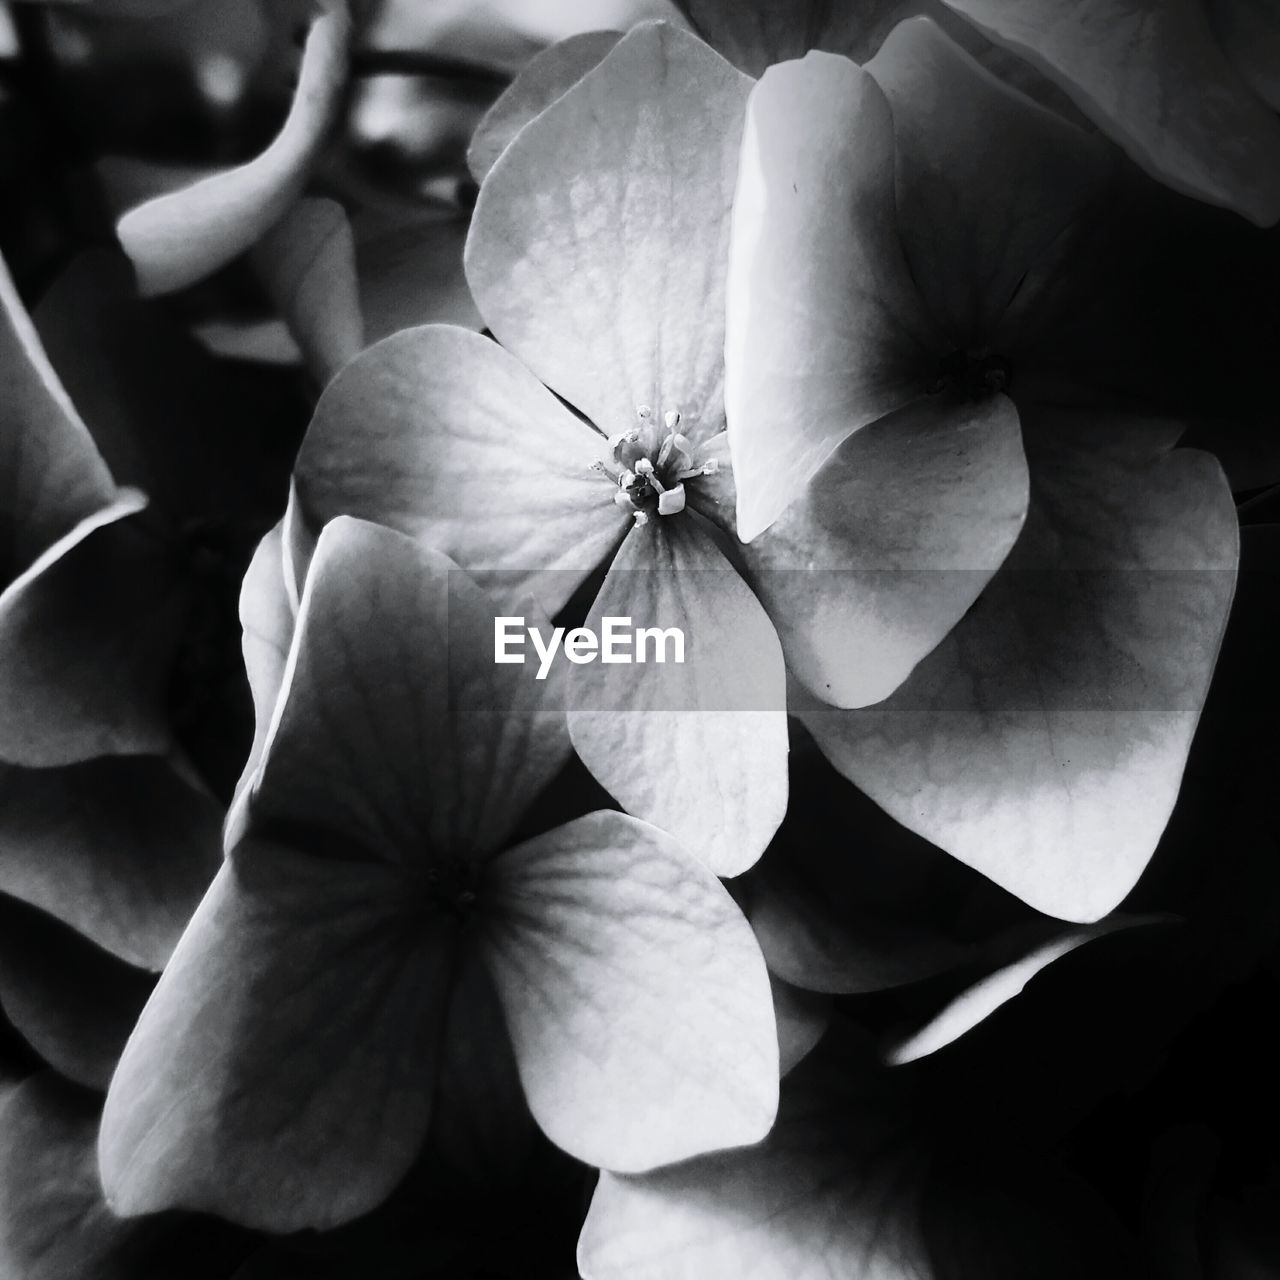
[598, 244]
[987, 180]
[395, 729]
[307, 263]
[410, 271]
[1249, 33]
[281, 1074]
[88, 635]
[51, 474]
[439, 433]
[1043, 742]
[699, 747]
[982, 999]
[74, 1003]
[179, 238]
[119, 849]
[825, 331]
[54, 1223]
[637, 999]
[551, 73]
[1152, 77]
[891, 543]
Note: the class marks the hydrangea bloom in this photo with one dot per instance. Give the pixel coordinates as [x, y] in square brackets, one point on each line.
[375, 902]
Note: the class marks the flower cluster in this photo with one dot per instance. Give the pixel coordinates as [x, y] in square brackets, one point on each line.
[909, 362]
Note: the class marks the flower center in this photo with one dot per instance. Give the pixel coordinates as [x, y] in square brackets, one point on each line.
[451, 886]
[651, 464]
[973, 374]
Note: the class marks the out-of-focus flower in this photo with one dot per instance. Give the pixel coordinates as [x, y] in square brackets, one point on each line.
[298, 1036]
[1040, 734]
[1189, 88]
[597, 257]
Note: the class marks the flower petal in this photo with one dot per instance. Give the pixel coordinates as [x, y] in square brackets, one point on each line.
[179, 238]
[307, 263]
[73, 1003]
[982, 999]
[119, 849]
[281, 1074]
[1043, 742]
[802, 1018]
[439, 433]
[1152, 77]
[598, 244]
[826, 332]
[699, 747]
[894, 539]
[51, 474]
[637, 999]
[88, 635]
[541, 81]
[987, 180]
[395, 729]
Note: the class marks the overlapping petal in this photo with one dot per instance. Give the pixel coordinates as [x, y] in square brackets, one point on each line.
[891, 542]
[426, 675]
[178, 238]
[698, 747]
[1043, 741]
[987, 180]
[439, 433]
[598, 244]
[637, 998]
[281, 1074]
[546, 76]
[826, 332]
[1151, 75]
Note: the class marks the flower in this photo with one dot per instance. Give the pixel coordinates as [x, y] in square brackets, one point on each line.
[597, 257]
[285, 1071]
[1033, 723]
[1189, 89]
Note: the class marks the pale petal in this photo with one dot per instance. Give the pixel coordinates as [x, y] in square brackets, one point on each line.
[1043, 742]
[891, 543]
[637, 998]
[281, 1074]
[1151, 75]
[395, 729]
[982, 999]
[179, 238]
[307, 264]
[826, 332]
[439, 433]
[698, 748]
[598, 244]
[541, 81]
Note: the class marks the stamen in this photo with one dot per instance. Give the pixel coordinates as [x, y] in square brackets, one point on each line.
[672, 419]
[641, 518]
[644, 467]
[623, 499]
[644, 412]
[671, 502]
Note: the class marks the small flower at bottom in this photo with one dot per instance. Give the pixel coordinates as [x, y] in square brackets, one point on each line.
[286, 1071]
